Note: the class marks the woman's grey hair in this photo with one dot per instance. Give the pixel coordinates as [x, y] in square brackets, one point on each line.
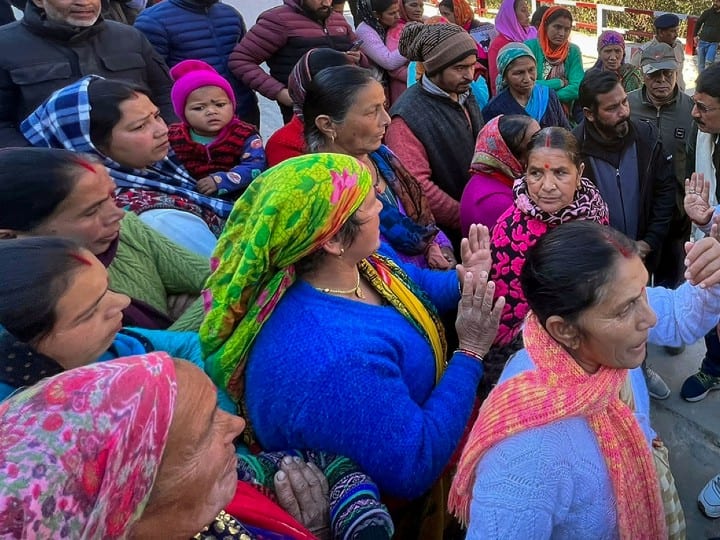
[332, 93]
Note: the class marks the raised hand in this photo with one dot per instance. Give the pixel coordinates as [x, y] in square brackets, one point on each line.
[703, 258]
[475, 254]
[478, 319]
[697, 199]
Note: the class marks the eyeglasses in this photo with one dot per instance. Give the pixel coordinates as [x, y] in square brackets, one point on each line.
[704, 108]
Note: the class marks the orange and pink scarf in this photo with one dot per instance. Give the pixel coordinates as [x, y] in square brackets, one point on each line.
[559, 388]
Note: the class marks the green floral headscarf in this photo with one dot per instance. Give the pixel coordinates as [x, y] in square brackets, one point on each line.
[506, 56]
[288, 212]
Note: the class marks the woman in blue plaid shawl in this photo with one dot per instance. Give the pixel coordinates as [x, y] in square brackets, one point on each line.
[118, 123]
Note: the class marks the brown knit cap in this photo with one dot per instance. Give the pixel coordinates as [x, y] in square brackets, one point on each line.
[437, 46]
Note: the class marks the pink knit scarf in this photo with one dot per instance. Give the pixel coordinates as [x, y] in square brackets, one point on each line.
[559, 388]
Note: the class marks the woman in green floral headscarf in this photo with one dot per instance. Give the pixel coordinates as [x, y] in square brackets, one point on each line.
[253, 261]
[329, 345]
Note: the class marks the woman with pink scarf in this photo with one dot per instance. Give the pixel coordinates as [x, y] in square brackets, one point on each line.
[512, 25]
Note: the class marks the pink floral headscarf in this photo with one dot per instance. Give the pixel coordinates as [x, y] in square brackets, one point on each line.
[79, 452]
[492, 152]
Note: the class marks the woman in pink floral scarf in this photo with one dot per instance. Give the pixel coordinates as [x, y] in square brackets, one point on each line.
[553, 191]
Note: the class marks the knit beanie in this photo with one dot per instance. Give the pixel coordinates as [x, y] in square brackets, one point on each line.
[189, 75]
[437, 46]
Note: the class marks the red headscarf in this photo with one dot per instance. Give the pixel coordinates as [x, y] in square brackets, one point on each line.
[463, 13]
[560, 53]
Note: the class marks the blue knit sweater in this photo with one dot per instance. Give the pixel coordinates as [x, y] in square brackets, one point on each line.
[552, 481]
[191, 29]
[355, 379]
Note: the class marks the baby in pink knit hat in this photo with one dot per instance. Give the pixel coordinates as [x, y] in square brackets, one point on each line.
[223, 153]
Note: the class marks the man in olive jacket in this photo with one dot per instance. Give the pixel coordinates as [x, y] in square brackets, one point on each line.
[57, 43]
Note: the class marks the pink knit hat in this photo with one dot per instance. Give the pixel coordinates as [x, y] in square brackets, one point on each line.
[189, 75]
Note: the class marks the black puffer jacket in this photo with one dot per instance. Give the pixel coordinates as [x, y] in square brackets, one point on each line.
[47, 56]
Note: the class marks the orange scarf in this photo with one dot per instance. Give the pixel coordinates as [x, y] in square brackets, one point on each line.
[551, 54]
[559, 388]
[463, 13]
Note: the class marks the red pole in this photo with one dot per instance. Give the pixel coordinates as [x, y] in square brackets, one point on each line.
[689, 41]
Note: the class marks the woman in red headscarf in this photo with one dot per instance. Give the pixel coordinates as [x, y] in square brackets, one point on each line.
[559, 62]
[460, 12]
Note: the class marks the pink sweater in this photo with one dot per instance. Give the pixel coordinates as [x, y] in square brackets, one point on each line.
[485, 198]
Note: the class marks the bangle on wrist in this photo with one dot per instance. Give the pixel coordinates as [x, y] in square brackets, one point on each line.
[471, 354]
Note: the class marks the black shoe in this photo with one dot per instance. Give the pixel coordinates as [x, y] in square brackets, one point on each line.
[674, 351]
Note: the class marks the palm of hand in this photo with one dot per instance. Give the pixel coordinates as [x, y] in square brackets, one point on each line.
[697, 209]
[478, 261]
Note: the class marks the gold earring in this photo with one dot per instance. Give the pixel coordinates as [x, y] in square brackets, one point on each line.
[342, 252]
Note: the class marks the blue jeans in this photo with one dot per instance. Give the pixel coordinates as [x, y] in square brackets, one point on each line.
[705, 54]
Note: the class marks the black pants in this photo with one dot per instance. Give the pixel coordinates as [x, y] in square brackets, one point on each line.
[711, 362]
[670, 266]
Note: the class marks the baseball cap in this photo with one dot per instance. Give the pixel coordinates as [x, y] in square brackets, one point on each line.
[656, 57]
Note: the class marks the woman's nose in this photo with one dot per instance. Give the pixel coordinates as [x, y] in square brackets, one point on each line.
[548, 183]
[121, 301]
[235, 426]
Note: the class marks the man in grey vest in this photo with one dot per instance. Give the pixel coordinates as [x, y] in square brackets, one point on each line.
[435, 122]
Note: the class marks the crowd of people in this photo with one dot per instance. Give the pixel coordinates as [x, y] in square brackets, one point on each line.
[420, 309]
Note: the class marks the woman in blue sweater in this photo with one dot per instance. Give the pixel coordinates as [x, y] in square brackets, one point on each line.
[329, 345]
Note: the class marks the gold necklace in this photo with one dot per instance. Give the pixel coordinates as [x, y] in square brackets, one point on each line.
[355, 290]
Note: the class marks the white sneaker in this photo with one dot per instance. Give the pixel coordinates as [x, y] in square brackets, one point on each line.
[656, 385]
[709, 498]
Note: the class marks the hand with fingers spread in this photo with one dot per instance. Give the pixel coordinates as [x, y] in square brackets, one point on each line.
[697, 199]
[703, 258]
[478, 319]
[475, 253]
[302, 490]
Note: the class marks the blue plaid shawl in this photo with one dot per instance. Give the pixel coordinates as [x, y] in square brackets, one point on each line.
[63, 121]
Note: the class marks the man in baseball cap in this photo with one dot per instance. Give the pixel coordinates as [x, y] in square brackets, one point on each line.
[666, 31]
[660, 102]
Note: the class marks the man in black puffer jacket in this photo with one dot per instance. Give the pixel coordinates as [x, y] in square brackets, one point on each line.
[56, 43]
